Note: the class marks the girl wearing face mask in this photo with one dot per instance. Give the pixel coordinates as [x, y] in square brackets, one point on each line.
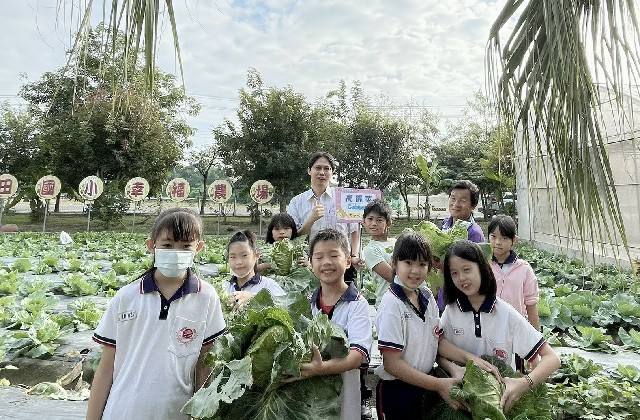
[157, 330]
[245, 282]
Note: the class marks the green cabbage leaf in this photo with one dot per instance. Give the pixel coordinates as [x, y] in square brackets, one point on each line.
[266, 343]
[439, 240]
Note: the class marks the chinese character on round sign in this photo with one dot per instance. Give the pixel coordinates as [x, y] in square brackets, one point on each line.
[8, 185]
[48, 187]
[90, 188]
[219, 191]
[178, 189]
[261, 191]
[137, 189]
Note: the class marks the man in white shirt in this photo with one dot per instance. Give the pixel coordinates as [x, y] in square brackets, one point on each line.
[315, 209]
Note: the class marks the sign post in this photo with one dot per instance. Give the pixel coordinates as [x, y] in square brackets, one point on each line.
[219, 191]
[47, 188]
[90, 188]
[261, 192]
[137, 190]
[350, 204]
[178, 190]
[8, 187]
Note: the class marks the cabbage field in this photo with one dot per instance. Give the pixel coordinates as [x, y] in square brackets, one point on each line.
[53, 295]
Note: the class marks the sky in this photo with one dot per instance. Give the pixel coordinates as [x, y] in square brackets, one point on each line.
[426, 52]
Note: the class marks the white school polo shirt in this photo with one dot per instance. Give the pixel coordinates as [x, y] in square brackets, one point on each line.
[497, 329]
[351, 312]
[413, 331]
[254, 285]
[157, 344]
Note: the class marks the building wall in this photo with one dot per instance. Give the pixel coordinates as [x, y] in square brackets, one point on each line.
[541, 217]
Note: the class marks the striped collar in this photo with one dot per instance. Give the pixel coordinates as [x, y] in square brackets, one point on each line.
[350, 295]
[256, 279]
[190, 285]
[487, 306]
[423, 298]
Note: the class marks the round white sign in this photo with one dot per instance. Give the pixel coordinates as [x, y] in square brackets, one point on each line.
[137, 189]
[219, 191]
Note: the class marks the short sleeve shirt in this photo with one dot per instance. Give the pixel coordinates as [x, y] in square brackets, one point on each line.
[497, 329]
[254, 285]
[351, 312]
[301, 206]
[373, 254]
[157, 342]
[413, 331]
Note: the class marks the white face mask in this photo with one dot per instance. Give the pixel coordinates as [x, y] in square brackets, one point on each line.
[172, 262]
[399, 282]
[240, 276]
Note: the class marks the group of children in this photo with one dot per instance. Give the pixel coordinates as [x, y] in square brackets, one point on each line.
[490, 310]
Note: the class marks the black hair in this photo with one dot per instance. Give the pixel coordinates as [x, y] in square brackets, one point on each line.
[505, 224]
[465, 184]
[472, 252]
[326, 155]
[247, 237]
[278, 221]
[330, 235]
[182, 224]
[378, 206]
[412, 246]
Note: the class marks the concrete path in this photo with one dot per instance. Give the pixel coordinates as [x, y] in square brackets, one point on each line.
[16, 404]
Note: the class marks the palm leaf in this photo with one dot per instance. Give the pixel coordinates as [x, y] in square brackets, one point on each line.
[544, 79]
[138, 20]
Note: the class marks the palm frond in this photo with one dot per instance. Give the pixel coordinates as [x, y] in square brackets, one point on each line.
[138, 20]
[544, 79]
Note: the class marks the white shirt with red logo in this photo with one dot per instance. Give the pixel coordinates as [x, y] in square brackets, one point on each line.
[497, 329]
[157, 344]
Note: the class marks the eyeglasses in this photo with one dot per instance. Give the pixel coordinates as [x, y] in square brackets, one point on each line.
[322, 168]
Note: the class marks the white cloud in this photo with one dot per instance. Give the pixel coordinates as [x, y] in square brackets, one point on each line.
[428, 50]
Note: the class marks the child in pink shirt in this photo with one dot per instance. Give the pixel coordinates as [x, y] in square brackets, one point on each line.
[516, 281]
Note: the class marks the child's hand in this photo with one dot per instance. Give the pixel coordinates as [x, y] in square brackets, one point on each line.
[483, 364]
[357, 263]
[515, 387]
[303, 261]
[314, 367]
[239, 299]
[444, 389]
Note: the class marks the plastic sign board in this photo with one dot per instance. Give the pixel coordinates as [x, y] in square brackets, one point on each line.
[137, 189]
[178, 189]
[48, 187]
[350, 203]
[90, 188]
[220, 191]
[261, 191]
[8, 186]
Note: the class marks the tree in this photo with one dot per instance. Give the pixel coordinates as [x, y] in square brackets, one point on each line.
[19, 146]
[203, 161]
[90, 126]
[277, 131]
[430, 173]
[544, 80]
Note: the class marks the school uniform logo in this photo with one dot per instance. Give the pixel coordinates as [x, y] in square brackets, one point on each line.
[127, 316]
[500, 354]
[186, 335]
[458, 331]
